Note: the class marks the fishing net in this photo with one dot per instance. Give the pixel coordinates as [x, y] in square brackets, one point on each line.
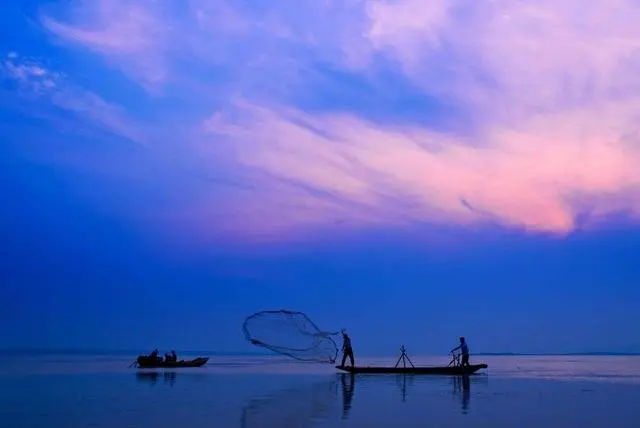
[292, 334]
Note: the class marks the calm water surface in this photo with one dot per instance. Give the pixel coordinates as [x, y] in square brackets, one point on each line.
[102, 391]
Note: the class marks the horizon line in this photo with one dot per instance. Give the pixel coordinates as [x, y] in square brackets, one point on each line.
[96, 351]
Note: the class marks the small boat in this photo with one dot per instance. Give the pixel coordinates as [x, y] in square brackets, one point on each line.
[145, 362]
[426, 370]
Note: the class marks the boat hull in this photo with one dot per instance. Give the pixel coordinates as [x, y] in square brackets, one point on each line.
[145, 363]
[435, 370]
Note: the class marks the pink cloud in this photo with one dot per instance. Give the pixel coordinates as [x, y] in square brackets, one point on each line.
[538, 56]
[132, 35]
[553, 87]
[527, 178]
[148, 39]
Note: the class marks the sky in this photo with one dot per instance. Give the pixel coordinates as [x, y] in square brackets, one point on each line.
[412, 171]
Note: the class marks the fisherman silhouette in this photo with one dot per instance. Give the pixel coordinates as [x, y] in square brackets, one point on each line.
[464, 348]
[347, 350]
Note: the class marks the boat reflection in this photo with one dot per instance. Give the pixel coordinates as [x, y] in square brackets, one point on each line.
[292, 407]
[461, 386]
[406, 383]
[311, 402]
[152, 377]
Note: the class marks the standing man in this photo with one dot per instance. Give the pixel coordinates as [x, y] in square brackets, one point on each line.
[464, 349]
[347, 351]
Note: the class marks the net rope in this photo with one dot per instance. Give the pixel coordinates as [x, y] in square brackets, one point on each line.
[290, 333]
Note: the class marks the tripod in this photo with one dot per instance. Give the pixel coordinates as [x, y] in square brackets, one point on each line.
[404, 358]
[455, 360]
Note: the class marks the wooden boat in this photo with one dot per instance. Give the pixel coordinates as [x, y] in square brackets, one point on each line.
[145, 362]
[434, 370]
[454, 367]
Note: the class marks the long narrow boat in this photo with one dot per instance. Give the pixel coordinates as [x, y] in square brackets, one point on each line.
[148, 363]
[454, 367]
[434, 370]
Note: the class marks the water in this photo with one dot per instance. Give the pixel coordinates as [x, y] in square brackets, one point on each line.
[102, 391]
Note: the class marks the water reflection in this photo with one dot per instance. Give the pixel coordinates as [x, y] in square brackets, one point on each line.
[462, 386]
[348, 387]
[292, 407]
[402, 381]
[416, 385]
[333, 399]
[152, 378]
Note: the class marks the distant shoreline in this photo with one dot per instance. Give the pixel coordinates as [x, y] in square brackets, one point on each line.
[97, 352]
[560, 354]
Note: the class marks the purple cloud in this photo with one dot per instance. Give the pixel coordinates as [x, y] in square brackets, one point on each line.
[552, 89]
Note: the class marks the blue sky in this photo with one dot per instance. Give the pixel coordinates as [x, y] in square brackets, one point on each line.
[412, 171]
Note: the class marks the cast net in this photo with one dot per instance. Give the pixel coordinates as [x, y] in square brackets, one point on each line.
[292, 334]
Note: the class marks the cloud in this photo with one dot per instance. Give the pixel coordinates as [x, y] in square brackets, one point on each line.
[159, 43]
[131, 35]
[515, 58]
[28, 74]
[550, 89]
[556, 87]
[400, 177]
[38, 84]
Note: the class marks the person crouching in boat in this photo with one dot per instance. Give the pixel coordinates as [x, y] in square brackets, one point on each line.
[464, 349]
[347, 350]
[154, 356]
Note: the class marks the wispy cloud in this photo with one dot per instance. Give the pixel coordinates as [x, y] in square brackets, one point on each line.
[129, 34]
[410, 175]
[516, 58]
[39, 84]
[28, 74]
[551, 89]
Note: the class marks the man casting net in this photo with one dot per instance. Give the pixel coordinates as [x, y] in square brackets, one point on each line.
[292, 334]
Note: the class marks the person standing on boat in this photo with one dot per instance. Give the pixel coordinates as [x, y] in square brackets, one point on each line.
[464, 349]
[347, 350]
